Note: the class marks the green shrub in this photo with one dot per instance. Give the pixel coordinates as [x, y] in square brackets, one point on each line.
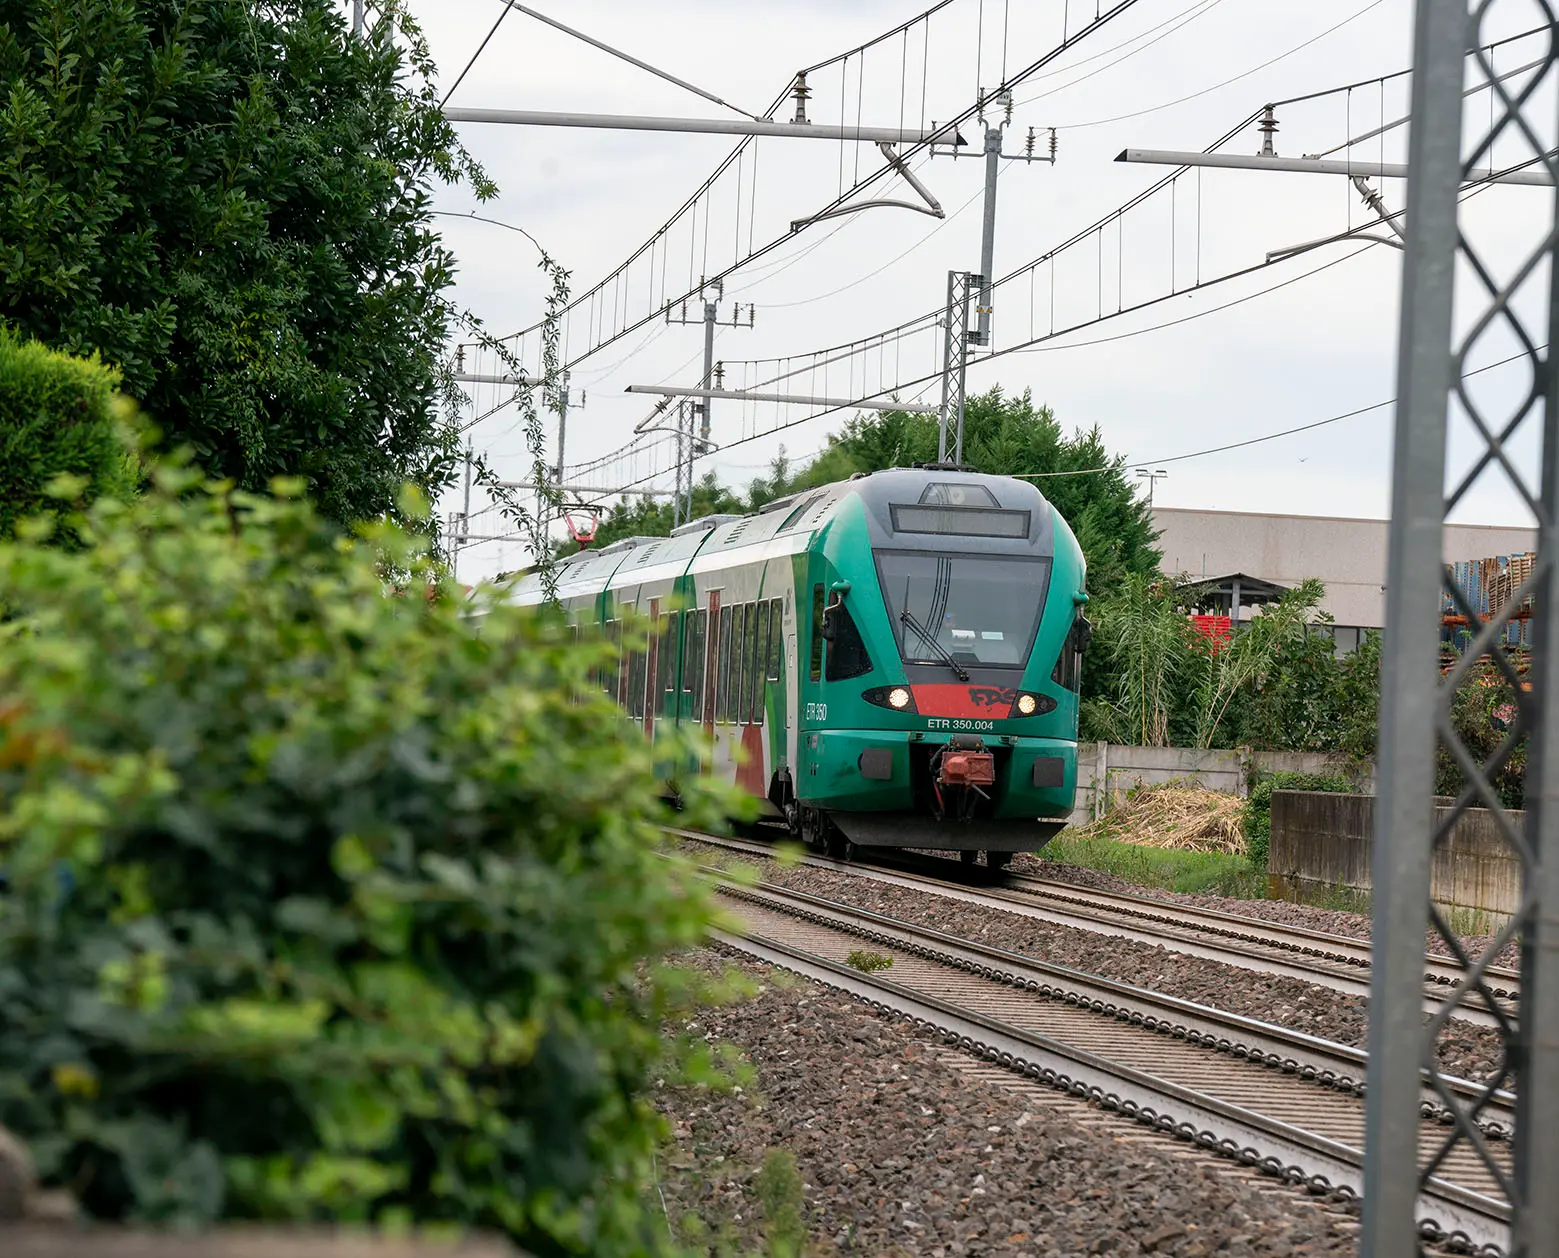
[1258, 807]
[57, 418]
[866, 961]
[363, 908]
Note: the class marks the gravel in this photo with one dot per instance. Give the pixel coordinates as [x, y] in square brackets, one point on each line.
[1462, 1049]
[1283, 912]
[896, 1152]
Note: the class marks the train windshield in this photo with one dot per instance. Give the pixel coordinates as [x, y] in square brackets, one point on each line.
[980, 610]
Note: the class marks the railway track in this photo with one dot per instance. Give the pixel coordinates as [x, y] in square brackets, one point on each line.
[1286, 1103]
[1334, 961]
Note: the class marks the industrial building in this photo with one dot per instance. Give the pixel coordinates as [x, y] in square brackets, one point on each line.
[1245, 558]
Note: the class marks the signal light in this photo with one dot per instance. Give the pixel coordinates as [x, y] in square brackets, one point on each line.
[898, 698]
[1025, 705]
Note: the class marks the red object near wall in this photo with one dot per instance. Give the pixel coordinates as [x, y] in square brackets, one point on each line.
[1218, 628]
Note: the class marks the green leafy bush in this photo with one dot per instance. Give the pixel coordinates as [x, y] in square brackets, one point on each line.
[362, 909]
[1258, 807]
[58, 417]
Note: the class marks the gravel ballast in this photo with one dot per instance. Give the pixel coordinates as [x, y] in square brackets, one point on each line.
[898, 1151]
[1463, 1049]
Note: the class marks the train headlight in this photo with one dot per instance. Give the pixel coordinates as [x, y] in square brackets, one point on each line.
[898, 698]
[1026, 705]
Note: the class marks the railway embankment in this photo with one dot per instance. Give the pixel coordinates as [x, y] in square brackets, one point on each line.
[870, 1137]
[1464, 1049]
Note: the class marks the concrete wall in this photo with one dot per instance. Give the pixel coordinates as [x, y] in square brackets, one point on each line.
[1123, 768]
[1349, 555]
[1322, 841]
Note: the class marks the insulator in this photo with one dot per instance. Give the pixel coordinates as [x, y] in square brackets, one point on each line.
[1268, 127]
[1052, 145]
[802, 93]
[1028, 144]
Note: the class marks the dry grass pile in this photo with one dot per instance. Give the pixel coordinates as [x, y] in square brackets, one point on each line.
[1174, 815]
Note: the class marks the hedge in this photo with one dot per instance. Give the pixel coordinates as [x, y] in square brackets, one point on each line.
[365, 910]
[1258, 806]
[57, 417]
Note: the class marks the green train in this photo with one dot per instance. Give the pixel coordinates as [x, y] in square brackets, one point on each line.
[889, 661]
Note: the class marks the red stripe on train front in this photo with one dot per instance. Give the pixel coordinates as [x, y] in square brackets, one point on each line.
[964, 700]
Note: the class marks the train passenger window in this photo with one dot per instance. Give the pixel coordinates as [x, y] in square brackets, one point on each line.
[816, 672]
[723, 666]
[636, 672]
[693, 662]
[777, 627]
[738, 635]
[757, 628]
[666, 668]
[847, 655]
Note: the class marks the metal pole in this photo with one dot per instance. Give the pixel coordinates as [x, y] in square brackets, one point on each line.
[1416, 702]
[557, 472]
[948, 350]
[1404, 810]
[357, 19]
[982, 335]
[709, 370]
[461, 538]
[1539, 178]
[702, 126]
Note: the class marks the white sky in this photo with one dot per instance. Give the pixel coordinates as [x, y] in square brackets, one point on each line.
[1318, 347]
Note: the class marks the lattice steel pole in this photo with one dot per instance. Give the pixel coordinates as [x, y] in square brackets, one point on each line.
[955, 363]
[1416, 702]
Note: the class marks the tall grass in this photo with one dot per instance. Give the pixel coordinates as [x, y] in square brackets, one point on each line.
[1168, 869]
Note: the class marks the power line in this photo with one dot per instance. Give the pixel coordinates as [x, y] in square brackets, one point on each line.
[1099, 122]
[1255, 441]
[460, 78]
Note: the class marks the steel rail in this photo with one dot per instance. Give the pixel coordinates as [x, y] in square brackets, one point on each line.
[1309, 1056]
[1272, 1145]
[1208, 934]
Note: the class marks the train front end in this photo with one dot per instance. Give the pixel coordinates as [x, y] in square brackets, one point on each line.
[942, 702]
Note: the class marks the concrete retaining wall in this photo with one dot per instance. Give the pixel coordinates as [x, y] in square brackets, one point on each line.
[1322, 841]
[1106, 771]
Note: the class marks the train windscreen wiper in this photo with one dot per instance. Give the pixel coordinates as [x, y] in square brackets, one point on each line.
[908, 618]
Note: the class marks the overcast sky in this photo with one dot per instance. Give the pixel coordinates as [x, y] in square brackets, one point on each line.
[1313, 348]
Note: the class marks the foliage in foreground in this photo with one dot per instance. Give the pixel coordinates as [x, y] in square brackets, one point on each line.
[58, 417]
[360, 911]
[230, 203]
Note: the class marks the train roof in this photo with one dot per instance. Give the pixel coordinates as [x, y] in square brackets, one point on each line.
[702, 543]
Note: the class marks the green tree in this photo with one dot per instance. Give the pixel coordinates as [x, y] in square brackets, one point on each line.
[229, 203]
[364, 914]
[58, 417]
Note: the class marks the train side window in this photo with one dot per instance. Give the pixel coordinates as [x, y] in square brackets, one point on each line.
[1068, 671]
[636, 670]
[776, 629]
[739, 620]
[723, 666]
[847, 655]
[666, 669]
[757, 629]
[693, 663]
[816, 671]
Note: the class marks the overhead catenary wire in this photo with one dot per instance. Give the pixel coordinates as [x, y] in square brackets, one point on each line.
[481, 48]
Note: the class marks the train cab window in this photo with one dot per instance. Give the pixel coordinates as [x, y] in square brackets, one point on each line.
[816, 670]
[693, 663]
[1068, 671]
[723, 666]
[776, 629]
[757, 641]
[847, 655]
[613, 666]
[666, 666]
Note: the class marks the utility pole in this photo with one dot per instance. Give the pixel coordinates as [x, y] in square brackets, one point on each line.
[357, 19]
[713, 377]
[461, 535]
[961, 285]
[563, 403]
